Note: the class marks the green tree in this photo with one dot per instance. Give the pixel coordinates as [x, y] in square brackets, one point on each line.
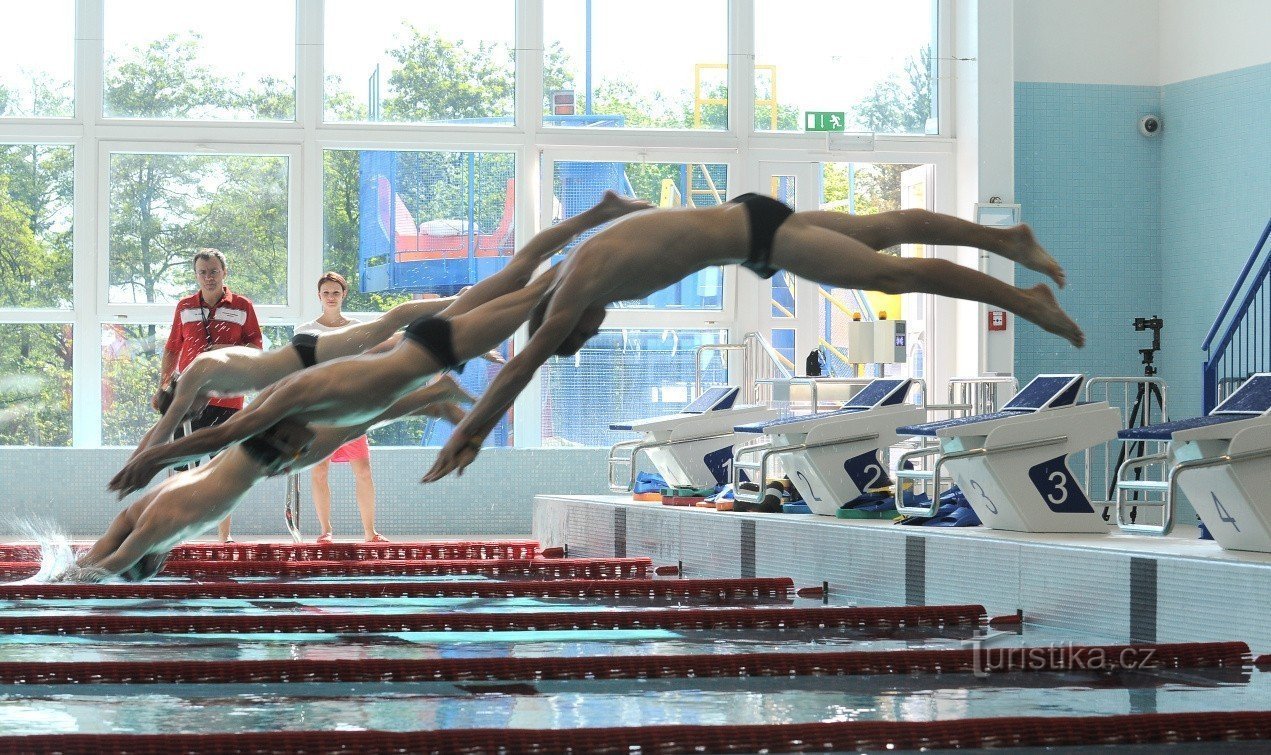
[37, 186]
[246, 217]
[271, 99]
[165, 80]
[439, 79]
[901, 103]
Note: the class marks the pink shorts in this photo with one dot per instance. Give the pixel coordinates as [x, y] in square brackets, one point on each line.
[355, 450]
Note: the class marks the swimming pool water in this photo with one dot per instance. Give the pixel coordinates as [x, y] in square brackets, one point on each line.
[411, 707]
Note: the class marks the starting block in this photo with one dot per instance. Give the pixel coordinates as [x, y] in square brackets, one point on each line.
[691, 449]
[1012, 465]
[1220, 461]
[832, 457]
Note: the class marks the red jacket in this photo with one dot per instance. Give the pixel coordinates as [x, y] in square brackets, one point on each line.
[232, 322]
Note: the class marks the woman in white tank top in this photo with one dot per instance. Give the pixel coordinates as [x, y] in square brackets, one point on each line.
[332, 288]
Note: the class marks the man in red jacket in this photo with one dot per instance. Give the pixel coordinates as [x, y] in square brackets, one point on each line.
[211, 318]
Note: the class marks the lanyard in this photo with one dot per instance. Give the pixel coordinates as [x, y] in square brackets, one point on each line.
[207, 332]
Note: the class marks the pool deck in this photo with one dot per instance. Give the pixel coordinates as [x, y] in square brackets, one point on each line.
[1125, 587]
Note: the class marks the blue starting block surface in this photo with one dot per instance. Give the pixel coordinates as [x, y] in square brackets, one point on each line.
[1251, 399]
[887, 392]
[1042, 392]
[931, 428]
[715, 399]
[1166, 430]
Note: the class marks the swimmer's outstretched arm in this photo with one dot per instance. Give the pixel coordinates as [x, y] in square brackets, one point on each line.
[465, 441]
[544, 244]
[269, 407]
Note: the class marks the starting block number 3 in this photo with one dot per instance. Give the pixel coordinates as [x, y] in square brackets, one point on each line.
[1057, 487]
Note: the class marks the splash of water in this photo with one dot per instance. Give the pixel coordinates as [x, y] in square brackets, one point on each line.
[57, 557]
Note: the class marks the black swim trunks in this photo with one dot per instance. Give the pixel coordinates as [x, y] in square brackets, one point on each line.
[306, 345]
[766, 215]
[277, 448]
[433, 333]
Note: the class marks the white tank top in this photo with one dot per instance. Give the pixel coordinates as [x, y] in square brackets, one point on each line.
[315, 327]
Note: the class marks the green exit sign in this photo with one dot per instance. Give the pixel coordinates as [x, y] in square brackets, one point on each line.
[814, 120]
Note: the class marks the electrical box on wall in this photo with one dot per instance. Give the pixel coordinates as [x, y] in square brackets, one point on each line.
[997, 214]
[876, 341]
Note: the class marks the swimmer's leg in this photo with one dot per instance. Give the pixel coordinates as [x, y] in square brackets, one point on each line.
[917, 226]
[818, 254]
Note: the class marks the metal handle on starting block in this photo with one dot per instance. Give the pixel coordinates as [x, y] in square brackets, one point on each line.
[291, 510]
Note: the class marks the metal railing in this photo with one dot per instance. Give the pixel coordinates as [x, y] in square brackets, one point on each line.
[1142, 401]
[1245, 345]
[934, 476]
[759, 361]
[292, 508]
[967, 396]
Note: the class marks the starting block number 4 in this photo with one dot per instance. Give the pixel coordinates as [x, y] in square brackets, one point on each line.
[1223, 514]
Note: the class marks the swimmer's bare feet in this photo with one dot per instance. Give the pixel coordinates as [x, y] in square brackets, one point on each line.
[614, 205]
[453, 392]
[1050, 316]
[1034, 256]
[450, 412]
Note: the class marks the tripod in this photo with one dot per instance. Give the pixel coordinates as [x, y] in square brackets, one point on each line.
[1141, 410]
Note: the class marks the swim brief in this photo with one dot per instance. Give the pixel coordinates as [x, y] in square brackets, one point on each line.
[433, 334]
[277, 448]
[306, 345]
[766, 215]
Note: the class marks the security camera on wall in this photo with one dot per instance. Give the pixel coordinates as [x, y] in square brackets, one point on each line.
[1150, 125]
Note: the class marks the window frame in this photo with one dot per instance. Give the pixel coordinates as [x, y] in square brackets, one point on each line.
[535, 146]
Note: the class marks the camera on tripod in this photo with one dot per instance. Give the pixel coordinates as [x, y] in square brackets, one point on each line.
[1153, 324]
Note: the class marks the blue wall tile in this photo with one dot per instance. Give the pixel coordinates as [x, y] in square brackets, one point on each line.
[1089, 185]
[1215, 201]
[1143, 226]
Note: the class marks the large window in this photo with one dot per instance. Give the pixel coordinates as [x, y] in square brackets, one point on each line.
[413, 147]
[229, 60]
[652, 64]
[403, 224]
[866, 189]
[577, 185]
[163, 207]
[624, 374]
[874, 62]
[36, 243]
[407, 61]
[35, 385]
[37, 59]
[35, 225]
[418, 224]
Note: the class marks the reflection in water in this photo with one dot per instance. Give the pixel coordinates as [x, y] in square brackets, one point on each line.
[556, 705]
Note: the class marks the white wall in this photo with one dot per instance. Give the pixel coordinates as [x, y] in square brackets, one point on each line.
[1138, 42]
[1091, 41]
[1204, 37]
